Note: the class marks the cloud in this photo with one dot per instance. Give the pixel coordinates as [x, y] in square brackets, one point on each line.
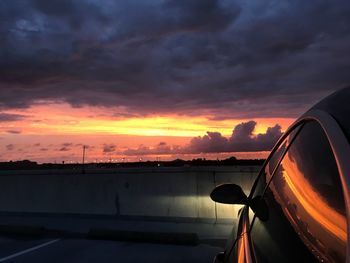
[81, 145]
[14, 131]
[212, 142]
[241, 140]
[64, 149]
[108, 148]
[7, 117]
[228, 59]
[10, 147]
[160, 149]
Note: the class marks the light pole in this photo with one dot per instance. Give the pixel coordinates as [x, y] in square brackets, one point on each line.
[84, 147]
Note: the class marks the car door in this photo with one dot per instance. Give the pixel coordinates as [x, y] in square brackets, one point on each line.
[305, 202]
[239, 246]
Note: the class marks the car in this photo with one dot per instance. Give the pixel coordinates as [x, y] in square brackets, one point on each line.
[298, 206]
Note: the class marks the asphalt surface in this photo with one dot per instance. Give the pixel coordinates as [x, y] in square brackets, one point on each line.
[19, 249]
[60, 239]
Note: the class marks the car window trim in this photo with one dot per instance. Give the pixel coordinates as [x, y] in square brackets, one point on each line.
[296, 125]
[300, 127]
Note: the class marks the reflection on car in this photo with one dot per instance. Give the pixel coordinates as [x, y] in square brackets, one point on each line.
[297, 209]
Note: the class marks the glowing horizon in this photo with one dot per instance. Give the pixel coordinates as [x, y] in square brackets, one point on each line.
[69, 120]
[56, 124]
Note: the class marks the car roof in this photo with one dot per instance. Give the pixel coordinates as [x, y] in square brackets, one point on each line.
[338, 106]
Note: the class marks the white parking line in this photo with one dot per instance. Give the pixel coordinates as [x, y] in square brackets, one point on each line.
[28, 250]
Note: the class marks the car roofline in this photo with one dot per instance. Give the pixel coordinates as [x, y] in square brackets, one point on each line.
[341, 150]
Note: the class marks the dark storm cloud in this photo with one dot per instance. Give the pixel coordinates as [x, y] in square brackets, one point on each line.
[232, 59]
[241, 140]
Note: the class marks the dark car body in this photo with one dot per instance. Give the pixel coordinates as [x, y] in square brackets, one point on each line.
[298, 207]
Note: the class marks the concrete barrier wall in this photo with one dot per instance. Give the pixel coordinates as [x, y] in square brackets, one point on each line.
[161, 191]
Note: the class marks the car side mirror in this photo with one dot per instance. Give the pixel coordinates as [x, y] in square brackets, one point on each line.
[229, 194]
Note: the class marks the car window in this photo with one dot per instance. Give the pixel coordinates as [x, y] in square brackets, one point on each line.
[307, 187]
[273, 162]
[276, 157]
[266, 241]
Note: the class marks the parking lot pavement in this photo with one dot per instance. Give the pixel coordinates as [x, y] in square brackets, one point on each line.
[45, 239]
[79, 250]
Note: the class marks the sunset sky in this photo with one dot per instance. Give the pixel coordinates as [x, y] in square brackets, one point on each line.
[163, 79]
